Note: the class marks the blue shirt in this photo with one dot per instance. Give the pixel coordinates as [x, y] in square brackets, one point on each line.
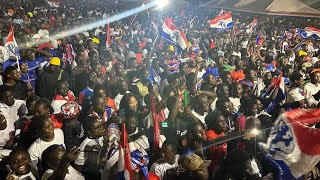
[29, 78]
[9, 62]
[33, 65]
[85, 95]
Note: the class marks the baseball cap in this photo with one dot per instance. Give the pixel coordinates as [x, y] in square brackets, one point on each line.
[70, 110]
[306, 65]
[315, 70]
[193, 162]
[55, 61]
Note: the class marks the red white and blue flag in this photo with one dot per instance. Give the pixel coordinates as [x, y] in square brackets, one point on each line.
[310, 32]
[54, 3]
[11, 48]
[293, 147]
[253, 24]
[260, 39]
[277, 84]
[108, 40]
[172, 33]
[222, 22]
[288, 34]
[124, 170]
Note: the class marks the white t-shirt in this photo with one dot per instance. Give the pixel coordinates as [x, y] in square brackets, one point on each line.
[71, 175]
[201, 118]
[200, 74]
[11, 112]
[5, 135]
[236, 103]
[28, 176]
[118, 98]
[161, 169]
[38, 146]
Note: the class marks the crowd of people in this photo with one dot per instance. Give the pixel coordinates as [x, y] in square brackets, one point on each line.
[65, 103]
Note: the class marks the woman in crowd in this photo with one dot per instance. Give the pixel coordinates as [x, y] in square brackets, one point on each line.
[46, 135]
[216, 127]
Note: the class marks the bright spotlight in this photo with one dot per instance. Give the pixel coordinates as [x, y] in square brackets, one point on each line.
[255, 131]
[162, 3]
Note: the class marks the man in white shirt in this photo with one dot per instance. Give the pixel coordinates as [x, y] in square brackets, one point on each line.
[122, 88]
[39, 145]
[201, 108]
[168, 160]
[11, 108]
[312, 88]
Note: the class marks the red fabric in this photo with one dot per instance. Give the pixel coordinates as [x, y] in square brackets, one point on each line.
[216, 153]
[139, 58]
[108, 43]
[56, 120]
[142, 44]
[103, 70]
[151, 176]
[240, 125]
[81, 98]
[127, 155]
[70, 97]
[45, 45]
[241, 122]
[212, 45]
[26, 126]
[237, 75]
[111, 103]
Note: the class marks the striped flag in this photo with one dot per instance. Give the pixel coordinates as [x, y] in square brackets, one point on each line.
[293, 146]
[108, 41]
[173, 34]
[222, 22]
[11, 48]
[124, 163]
[253, 25]
[310, 32]
[288, 34]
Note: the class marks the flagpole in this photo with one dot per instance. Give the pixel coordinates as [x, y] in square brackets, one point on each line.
[134, 18]
[18, 65]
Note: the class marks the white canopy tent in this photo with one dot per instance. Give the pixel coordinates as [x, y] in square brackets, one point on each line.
[291, 6]
[243, 3]
[272, 7]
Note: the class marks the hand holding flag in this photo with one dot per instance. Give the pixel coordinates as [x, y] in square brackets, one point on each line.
[11, 48]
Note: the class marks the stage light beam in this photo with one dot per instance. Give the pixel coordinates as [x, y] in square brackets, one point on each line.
[111, 19]
[162, 3]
